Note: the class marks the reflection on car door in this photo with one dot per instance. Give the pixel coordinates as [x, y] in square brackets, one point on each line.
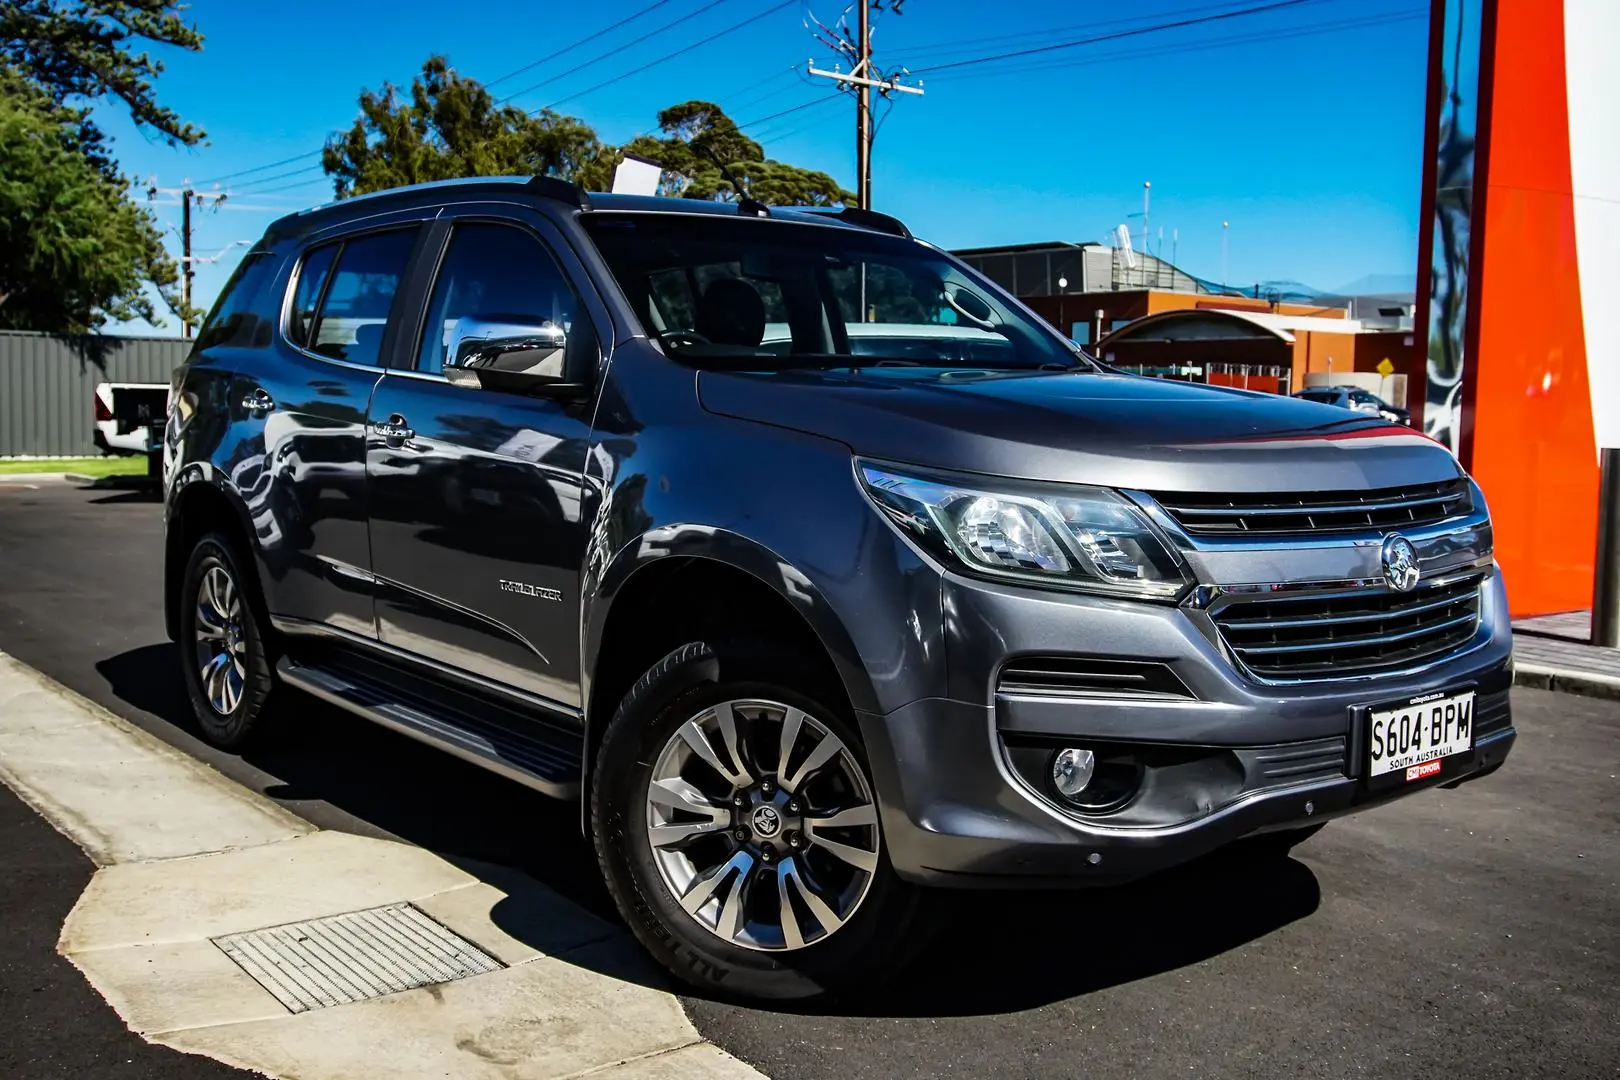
[477, 529]
[303, 474]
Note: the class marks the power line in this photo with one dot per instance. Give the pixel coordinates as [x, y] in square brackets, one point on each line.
[566, 49]
[957, 44]
[582, 41]
[788, 112]
[1309, 30]
[256, 168]
[290, 187]
[796, 126]
[733, 28]
[1258, 9]
[281, 176]
[611, 52]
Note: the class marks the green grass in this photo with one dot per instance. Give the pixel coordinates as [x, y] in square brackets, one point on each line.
[93, 466]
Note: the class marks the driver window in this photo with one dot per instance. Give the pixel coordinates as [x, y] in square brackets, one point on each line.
[494, 271]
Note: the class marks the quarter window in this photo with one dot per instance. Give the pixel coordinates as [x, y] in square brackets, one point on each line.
[311, 280]
[239, 317]
[497, 272]
[354, 312]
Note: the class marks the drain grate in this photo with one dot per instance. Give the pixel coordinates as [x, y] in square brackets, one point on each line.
[354, 956]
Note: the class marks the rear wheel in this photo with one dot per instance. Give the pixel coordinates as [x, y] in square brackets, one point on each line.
[737, 827]
[225, 662]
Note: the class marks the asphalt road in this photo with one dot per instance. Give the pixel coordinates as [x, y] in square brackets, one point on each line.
[1473, 932]
[55, 1025]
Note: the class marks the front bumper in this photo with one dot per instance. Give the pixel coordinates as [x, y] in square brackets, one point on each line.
[957, 811]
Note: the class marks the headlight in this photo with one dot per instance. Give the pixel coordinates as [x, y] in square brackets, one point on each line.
[1072, 537]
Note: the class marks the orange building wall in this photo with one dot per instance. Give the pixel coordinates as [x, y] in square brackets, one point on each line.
[1527, 432]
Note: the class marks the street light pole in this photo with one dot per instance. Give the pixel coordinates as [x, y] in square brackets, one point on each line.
[1606, 568]
[185, 262]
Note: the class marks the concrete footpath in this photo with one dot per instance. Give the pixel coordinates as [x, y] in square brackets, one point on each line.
[1555, 652]
[219, 924]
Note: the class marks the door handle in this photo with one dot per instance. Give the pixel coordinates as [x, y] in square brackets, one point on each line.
[258, 401]
[396, 431]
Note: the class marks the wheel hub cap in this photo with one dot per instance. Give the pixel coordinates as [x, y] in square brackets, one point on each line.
[219, 646]
[767, 823]
[762, 825]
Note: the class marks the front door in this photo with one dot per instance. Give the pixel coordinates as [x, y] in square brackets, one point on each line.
[478, 528]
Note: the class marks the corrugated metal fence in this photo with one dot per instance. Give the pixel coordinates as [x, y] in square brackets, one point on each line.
[48, 384]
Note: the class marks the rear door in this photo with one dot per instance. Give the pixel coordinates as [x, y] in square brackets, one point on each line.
[479, 510]
[303, 475]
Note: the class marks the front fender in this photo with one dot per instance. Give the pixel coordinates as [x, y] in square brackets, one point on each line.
[738, 552]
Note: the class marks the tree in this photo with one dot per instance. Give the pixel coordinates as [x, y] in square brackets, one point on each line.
[698, 136]
[450, 127]
[82, 48]
[74, 250]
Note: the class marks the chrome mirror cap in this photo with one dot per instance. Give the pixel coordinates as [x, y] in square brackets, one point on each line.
[516, 348]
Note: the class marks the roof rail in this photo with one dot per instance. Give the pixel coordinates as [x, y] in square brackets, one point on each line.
[871, 219]
[567, 191]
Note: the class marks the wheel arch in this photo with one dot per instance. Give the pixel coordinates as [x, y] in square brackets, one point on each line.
[199, 505]
[664, 589]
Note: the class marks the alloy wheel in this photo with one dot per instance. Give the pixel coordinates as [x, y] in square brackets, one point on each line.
[219, 641]
[762, 825]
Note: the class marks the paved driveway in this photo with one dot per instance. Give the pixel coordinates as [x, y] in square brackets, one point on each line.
[1473, 932]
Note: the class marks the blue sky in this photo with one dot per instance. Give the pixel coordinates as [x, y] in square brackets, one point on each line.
[1302, 127]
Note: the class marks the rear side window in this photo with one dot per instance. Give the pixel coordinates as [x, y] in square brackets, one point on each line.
[244, 313]
[353, 309]
[311, 281]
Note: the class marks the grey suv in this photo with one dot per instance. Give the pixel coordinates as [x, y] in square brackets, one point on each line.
[814, 565]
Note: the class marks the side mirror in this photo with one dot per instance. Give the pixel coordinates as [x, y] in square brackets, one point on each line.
[516, 354]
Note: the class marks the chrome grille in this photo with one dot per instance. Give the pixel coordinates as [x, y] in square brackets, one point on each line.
[1339, 635]
[1316, 512]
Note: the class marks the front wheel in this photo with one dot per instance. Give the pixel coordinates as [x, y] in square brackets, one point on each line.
[737, 828]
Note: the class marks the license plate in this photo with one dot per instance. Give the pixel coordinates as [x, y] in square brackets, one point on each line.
[1415, 737]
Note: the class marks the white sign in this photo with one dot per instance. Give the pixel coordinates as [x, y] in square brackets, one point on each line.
[1592, 79]
[636, 176]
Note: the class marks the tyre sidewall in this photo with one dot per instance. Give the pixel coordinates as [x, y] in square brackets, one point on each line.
[623, 773]
[230, 730]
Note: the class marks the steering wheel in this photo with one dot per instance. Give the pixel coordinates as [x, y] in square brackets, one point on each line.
[680, 339]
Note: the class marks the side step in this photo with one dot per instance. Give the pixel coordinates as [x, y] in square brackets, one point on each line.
[520, 745]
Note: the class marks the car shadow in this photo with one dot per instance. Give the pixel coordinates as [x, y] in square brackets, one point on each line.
[994, 952]
[1008, 951]
[136, 495]
[319, 753]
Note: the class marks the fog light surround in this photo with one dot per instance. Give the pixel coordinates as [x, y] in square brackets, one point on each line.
[1072, 769]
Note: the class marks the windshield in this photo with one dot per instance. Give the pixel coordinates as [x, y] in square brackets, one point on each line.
[761, 295]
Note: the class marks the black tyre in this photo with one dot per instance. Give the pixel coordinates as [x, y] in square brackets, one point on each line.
[736, 826]
[226, 665]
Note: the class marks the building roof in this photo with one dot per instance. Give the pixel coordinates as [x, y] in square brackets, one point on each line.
[1274, 324]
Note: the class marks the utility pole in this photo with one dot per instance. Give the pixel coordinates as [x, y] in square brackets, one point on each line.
[186, 196]
[863, 113]
[855, 46]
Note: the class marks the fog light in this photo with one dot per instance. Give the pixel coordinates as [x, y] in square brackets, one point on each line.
[1071, 771]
